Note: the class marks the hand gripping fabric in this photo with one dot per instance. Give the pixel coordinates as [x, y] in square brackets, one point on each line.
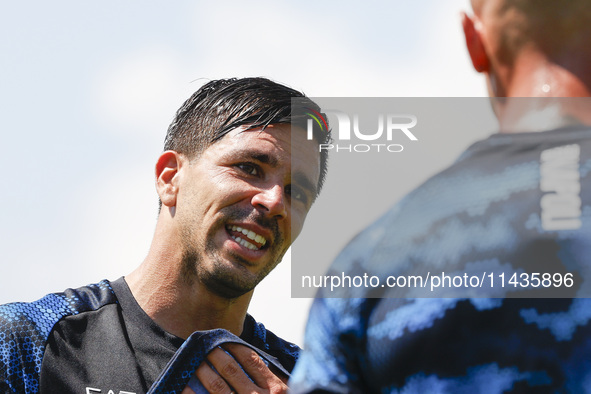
[180, 371]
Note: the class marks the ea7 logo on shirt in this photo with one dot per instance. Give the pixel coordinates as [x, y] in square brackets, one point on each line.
[90, 390]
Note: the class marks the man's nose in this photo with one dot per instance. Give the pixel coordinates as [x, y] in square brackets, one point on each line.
[271, 201]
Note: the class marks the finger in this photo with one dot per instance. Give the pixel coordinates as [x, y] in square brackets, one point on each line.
[194, 386]
[212, 382]
[230, 370]
[187, 390]
[256, 368]
[277, 372]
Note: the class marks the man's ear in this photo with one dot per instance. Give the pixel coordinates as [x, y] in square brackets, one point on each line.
[475, 44]
[167, 168]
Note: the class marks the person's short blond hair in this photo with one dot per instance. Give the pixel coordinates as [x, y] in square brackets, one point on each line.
[556, 28]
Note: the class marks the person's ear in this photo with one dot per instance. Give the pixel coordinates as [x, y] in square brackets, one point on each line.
[167, 168]
[474, 43]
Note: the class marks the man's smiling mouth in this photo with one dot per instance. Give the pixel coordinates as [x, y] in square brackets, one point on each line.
[247, 238]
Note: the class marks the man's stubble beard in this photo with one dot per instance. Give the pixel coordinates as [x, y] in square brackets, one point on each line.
[222, 278]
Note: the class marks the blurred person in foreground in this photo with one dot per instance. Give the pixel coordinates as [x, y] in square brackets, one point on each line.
[235, 182]
[519, 200]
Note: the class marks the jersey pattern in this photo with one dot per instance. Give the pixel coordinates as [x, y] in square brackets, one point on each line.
[25, 327]
[97, 339]
[488, 211]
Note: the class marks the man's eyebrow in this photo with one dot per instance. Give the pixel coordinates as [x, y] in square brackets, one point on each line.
[265, 158]
[253, 155]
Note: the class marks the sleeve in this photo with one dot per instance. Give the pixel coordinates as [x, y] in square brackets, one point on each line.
[329, 361]
[24, 328]
[18, 355]
[7, 384]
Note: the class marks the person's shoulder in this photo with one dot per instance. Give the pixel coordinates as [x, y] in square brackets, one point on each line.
[90, 297]
[37, 318]
[26, 326]
[24, 329]
[54, 306]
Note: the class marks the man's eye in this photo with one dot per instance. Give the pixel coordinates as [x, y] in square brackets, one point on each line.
[297, 193]
[250, 169]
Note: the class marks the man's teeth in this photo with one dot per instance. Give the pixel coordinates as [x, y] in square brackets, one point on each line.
[244, 243]
[251, 235]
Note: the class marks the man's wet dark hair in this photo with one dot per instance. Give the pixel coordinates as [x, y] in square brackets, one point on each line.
[221, 106]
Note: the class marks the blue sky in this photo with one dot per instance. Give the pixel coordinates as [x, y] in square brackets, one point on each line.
[87, 91]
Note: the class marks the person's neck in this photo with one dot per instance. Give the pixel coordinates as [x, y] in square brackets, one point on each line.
[179, 306]
[537, 97]
[534, 75]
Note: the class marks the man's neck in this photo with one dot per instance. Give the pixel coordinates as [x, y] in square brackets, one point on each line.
[534, 75]
[179, 306]
[537, 97]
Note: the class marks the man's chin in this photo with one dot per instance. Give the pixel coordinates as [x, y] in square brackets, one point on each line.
[229, 285]
[227, 290]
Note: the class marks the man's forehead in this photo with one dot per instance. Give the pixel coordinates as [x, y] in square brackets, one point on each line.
[283, 133]
[285, 138]
[277, 134]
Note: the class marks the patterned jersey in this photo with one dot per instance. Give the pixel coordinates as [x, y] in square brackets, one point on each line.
[513, 202]
[97, 339]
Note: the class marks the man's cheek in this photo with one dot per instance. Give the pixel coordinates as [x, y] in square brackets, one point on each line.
[296, 227]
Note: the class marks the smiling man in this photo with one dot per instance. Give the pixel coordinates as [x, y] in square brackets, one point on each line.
[235, 182]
